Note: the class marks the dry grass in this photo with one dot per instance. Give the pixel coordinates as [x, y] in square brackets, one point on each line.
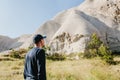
[64, 70]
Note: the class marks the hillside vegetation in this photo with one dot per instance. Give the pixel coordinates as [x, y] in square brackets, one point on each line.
[83, 69]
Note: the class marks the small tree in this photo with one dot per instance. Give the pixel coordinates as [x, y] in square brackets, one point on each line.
[95, 41]
[105, 53]
[92, 46]
[95, 47]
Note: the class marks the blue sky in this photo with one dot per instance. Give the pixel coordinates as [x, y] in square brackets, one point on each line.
[19, 17]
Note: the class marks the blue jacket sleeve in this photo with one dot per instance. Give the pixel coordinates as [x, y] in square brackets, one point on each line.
[41, 63]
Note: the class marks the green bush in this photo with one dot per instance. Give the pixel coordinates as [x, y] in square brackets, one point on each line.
[22, 51]
[56, 57]
[18, 53]
[106, 54]
[90, 53]
[92, 46]
[96, 48]
[15, 54]
[94, 42]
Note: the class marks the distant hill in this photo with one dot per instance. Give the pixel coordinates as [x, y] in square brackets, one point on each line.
[7, 43]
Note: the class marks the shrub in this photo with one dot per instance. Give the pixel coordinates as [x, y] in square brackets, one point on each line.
[18, 53]
[15, 54]
[22, 51]
[92, 46]
[94, 42]
[105, 53]
[96, 48]
[90, 53]
[56, 57]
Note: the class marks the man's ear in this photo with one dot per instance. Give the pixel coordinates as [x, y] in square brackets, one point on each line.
[40, 40]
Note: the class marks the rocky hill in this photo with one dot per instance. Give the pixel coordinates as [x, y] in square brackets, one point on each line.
[68, 30]
[92, 16]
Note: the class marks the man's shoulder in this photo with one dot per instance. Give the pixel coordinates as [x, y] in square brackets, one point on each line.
[33, 52]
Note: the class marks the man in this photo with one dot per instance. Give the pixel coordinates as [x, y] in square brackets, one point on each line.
[35, 62]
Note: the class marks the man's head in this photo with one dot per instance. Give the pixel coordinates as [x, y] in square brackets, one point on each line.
[39, 40]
